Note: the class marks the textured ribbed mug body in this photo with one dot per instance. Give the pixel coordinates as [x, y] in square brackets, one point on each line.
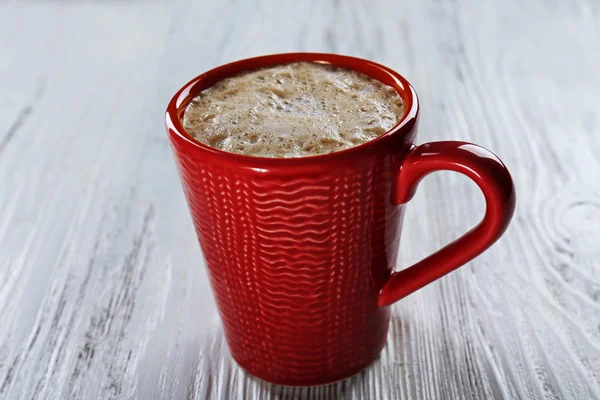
[297, 257]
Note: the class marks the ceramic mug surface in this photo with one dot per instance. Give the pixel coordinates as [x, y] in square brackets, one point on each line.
[301, 252]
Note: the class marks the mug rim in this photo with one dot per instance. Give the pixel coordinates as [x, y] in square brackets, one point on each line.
[385, 75]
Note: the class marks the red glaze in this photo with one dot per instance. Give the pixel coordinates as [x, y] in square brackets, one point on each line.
[495, 182]
[300, 251]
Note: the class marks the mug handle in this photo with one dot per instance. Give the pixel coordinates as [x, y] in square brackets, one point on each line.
[494, 180]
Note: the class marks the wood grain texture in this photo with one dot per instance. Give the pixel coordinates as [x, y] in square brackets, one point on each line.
[103, 292]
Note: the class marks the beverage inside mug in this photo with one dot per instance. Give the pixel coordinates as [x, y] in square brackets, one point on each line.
[293, 110]
[301, 251]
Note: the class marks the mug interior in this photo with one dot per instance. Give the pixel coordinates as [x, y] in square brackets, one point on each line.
[179, 102]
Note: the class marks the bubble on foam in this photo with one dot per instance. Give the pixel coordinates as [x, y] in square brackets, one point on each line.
[292, 110]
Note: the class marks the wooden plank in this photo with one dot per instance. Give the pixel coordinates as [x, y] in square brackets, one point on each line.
[103, 292]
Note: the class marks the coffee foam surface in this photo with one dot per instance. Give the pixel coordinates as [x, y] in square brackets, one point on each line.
[293, 110]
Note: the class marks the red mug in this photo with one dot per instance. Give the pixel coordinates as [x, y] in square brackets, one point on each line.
[301, 251]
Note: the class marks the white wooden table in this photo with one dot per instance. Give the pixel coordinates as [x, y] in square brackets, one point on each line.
[103, 292]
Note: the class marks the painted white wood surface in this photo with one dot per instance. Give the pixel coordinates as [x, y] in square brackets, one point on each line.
[103, 293]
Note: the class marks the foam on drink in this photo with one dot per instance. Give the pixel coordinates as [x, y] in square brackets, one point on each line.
[293, 110]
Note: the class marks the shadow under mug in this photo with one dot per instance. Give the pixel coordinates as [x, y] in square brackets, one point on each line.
[301, 251]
